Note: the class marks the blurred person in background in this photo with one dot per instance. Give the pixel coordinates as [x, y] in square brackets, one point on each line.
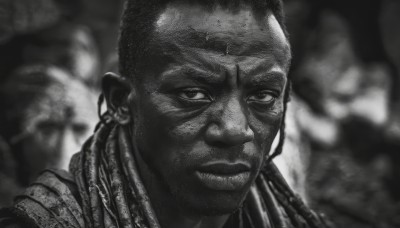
[347, 85]
[47, 114]
[48, 44]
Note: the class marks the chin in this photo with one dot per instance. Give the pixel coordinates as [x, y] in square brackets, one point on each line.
[209, 203]
[214, 210]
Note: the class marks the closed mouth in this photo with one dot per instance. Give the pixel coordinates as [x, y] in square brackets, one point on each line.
[224, 168]
[224, 176]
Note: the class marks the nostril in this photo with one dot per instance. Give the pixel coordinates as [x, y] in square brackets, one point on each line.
[241, 136]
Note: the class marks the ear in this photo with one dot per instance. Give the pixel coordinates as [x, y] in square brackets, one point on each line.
[117, 91]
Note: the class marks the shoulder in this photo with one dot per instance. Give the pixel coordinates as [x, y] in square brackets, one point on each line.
[51, 201]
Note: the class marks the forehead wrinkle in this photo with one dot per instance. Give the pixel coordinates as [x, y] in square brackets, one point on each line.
[243, 44]
[197, 57]
[181, 43]
[220, 29]
[213, 62]
[246, 65]
[203, 62]
[211, 59]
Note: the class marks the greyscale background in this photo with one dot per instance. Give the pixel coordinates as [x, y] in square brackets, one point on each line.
[342, 151]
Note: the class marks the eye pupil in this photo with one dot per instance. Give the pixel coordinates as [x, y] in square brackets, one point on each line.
[191, 94]
[261, 95]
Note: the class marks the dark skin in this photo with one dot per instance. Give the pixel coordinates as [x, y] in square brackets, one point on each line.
[209, 99]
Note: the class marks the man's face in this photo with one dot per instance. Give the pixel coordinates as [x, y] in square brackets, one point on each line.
[210, 103]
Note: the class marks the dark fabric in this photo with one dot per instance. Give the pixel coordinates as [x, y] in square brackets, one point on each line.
[51, 201]
[14, 218]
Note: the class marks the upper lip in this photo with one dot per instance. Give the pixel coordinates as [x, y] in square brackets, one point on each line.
[224, 168]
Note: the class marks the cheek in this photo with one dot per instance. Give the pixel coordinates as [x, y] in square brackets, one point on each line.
[189, 131]
[162, 125]
[44, 143]
[265, 129]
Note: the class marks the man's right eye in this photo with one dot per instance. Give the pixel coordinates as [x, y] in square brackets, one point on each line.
[194, 94]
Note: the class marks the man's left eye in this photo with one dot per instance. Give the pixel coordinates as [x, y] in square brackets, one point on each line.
[193, 94]
[262, 96]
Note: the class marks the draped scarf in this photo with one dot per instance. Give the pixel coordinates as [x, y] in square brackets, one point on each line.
[114, 196]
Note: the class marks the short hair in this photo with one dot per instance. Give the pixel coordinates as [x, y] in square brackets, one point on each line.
[140, 15]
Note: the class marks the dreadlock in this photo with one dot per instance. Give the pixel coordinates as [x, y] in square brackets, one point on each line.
[282, 131]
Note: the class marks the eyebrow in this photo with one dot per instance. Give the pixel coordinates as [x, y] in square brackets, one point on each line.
[268, 76]
[196, 74]
[275, 78]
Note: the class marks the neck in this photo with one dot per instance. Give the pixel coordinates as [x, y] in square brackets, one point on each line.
[169, 214]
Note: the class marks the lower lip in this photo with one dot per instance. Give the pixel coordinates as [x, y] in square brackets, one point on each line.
[223, 182]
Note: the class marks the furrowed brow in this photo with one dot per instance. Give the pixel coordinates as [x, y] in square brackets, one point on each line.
[192, 73]
[270, 78]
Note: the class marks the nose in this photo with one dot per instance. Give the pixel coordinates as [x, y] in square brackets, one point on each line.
[230, 126]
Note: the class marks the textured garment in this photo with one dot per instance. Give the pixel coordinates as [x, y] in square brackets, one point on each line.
[105, 190]
[51, 201]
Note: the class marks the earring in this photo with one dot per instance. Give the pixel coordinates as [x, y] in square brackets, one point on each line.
[122, 115]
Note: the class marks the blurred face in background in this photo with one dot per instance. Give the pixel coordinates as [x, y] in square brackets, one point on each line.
[54, 125]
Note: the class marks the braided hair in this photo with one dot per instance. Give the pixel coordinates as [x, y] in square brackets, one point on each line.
[282, 132]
